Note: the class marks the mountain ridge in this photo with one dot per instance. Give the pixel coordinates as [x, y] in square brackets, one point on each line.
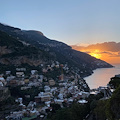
[57, 50]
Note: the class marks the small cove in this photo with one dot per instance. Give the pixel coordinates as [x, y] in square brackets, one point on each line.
[101, 77]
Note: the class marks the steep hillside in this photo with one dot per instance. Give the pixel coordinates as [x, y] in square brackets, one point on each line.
[14, 53]
[82, 62]
[108, 109]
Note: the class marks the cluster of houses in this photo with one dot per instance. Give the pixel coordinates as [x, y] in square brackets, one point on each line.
[67, 89]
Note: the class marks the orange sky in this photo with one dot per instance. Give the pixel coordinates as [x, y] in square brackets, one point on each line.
[103, 56]
[108, 52]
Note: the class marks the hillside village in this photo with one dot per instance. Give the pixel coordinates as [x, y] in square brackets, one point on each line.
[34, 95]
[64, 90]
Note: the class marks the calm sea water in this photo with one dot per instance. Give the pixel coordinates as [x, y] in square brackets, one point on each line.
[102, 76]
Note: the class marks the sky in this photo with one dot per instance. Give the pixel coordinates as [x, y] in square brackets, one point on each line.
[107, 51]
[70, 21]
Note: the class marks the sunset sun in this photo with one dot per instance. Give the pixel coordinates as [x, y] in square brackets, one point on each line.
[96, 54]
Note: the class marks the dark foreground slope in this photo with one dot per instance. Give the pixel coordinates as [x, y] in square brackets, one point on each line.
[109, 109]
[82, 62]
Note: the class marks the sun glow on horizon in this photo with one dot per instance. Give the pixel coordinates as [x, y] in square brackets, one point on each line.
[96, 54]
[110, 56]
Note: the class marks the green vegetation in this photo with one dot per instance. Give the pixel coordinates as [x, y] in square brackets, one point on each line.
[115, 82]
[75, 112]
[113, 106]
[29, 118]
[99, 111]
[8, 106]
[9, 101]
[16, 47]
[15, 51]
[7, 40]
[17, 92]
[109, 109]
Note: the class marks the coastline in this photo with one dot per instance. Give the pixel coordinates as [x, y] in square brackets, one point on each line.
[101, 76]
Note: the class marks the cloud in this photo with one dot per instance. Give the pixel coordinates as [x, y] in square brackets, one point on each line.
[110, 54]
[115, 55]
[111, 49]
[106, 46]
[107, 51]
[118, 53]
[87, 52]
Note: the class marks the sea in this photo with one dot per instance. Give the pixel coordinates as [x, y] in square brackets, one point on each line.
[101, 76]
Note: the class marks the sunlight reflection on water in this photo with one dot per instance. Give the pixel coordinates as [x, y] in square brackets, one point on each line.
[102, 76]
